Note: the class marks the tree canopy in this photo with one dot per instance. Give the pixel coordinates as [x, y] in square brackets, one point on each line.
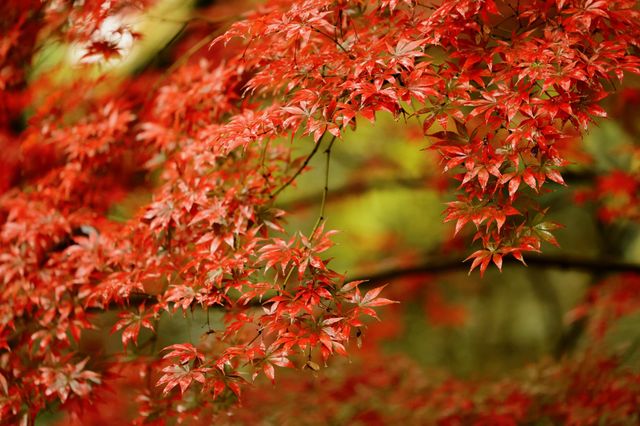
[149, 190]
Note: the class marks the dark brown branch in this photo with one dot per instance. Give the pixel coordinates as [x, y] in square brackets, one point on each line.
[325, 190]
[335, 41]
[436, 266]
[356, 188]
[297, 173]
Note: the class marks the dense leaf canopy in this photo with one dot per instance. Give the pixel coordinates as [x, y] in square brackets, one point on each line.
[207, 131]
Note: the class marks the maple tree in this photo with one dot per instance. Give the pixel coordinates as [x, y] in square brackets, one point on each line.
[206, 133]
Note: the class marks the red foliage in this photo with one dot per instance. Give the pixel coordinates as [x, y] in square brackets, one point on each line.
[498, 86]
[396, 391]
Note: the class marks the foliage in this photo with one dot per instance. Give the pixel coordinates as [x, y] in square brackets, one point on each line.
[502, 92]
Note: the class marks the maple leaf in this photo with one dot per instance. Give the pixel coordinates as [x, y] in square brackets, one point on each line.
[104, 48]
[179, 375]
[183, 352]
[69, 378]
[130, 324]
[370, 299]
[482, 258]
[543, 230]
[277, 358]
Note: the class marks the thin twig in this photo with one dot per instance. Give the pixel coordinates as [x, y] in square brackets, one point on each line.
[185, 57]
[325, 190]
[286, 279]
[297, 173]
[193, 18]
[335, 41]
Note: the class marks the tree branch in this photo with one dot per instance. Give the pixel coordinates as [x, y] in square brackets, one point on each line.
[420, 182]
[302, 167]
[455, 264]
[325, 190]
[561, 262]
